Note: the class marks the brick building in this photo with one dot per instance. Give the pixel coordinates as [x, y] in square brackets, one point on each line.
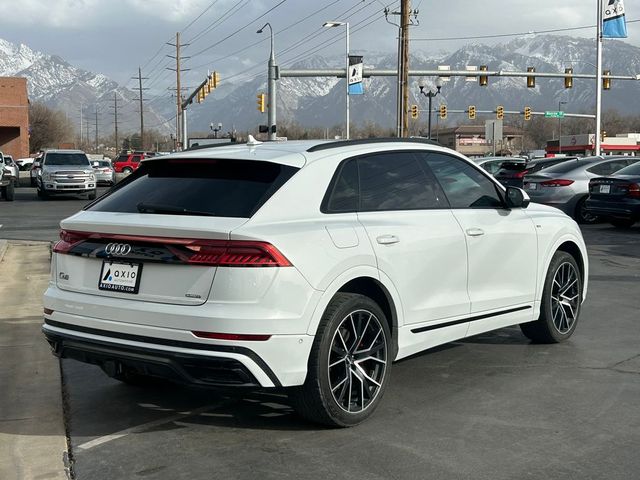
[470, 140]
[14, 117]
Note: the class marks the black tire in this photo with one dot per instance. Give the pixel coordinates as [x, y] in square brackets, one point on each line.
[10, 192]
[351, 320]
[42, 195]
[582, 214]
[3, 193]
[622, 222]
[127, 170]
[33, 182]
[92, 195]
[554, 325]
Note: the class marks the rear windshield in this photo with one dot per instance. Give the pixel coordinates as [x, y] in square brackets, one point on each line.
[103, 163]
[633, 169]
[214, 187]
[79, 159]
[569, 165]
[513, 165]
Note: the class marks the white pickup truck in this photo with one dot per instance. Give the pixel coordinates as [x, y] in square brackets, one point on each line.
[7, 181]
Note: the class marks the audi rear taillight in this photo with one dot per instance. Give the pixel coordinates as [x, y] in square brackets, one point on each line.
[68, 240]
[559, 182]
[231, 253]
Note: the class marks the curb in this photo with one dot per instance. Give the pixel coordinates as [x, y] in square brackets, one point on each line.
[4, 245]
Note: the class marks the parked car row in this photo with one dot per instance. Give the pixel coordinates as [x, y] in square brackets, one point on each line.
[568, 182]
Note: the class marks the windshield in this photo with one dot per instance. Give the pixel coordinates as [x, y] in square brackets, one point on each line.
[633, 169]
[75, 159]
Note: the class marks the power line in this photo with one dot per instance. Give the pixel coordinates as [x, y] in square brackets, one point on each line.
[248, 24]
[201, 14]
[501, 35]
[229, 13]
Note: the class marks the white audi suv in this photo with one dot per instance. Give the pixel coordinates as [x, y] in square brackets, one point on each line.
[309, 266]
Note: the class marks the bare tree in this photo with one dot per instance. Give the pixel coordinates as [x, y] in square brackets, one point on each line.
[49, 127]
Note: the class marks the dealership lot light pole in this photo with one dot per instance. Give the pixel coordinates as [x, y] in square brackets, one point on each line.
[346, 78]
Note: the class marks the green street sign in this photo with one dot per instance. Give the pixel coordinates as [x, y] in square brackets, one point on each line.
[554, 114]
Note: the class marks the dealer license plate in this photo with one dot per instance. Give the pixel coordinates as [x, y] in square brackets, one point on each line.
[120, 277]
[605, 188]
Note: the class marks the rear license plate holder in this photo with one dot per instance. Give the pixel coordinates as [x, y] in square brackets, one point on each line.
[121, 277]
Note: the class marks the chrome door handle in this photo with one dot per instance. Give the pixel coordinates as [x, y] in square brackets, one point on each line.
[475, 232]
[387, 239]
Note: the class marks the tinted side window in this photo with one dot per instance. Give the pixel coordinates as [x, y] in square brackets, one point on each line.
[395, 181]
[343, 196]
[464, 186]
[607, 168]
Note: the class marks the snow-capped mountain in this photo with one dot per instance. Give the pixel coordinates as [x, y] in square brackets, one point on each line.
[320, 101]
[55, 82]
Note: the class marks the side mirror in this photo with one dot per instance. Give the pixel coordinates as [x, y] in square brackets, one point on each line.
[517, 198]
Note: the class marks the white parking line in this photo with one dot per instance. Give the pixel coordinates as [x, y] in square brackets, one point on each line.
[140, 428]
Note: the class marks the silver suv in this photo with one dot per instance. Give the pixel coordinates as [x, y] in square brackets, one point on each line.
[65, 172]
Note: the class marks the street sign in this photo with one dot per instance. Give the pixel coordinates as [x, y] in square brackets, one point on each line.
[553, 114]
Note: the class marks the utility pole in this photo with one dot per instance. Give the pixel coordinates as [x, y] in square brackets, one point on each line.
[96, 144]
[405, 11]
[115, 118]
[180, 126]
[141, 99]
[81, 115]
[402, 69]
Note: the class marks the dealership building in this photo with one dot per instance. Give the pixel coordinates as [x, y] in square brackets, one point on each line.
[14, 117]
[584, 144]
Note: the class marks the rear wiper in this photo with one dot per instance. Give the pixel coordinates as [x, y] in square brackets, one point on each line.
[160, 208]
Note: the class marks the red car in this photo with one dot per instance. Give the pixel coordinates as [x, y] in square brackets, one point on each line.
[128, 162]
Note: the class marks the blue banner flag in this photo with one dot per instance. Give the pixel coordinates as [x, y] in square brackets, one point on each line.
[614, 24]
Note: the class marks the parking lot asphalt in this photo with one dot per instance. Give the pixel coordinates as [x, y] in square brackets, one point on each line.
[493, 406]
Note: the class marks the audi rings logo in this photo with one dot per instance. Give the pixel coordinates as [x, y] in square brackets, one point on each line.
[118, 249]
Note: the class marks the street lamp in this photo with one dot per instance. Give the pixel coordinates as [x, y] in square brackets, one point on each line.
[560, 103]
[271, 86]
[346, 71]
[430, 94]
[215, 130]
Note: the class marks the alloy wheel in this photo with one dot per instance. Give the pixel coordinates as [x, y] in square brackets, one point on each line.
[357, 361]
[565, 297]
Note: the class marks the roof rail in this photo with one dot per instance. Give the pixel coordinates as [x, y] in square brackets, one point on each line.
[365, 141]
[211, 145]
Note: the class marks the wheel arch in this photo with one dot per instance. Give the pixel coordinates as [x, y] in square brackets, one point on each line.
[363, 281]
[571, 245]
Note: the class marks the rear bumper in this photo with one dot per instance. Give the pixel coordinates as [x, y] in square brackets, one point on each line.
[277, 362]
[190, 366]
[626, 209]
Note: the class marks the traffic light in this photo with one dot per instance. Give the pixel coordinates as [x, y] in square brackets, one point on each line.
[603, 135]
[568, 80]
[443, 111]
[214, 79]
[414, 111]
[260, 102]
[500, 112]
[527, 113]
[531, 80]
[483, 80]
[606, 82]
[472, 112]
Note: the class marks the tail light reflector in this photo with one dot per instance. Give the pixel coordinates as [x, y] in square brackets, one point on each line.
[241, 337]
[634, 190]
[558, 182]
